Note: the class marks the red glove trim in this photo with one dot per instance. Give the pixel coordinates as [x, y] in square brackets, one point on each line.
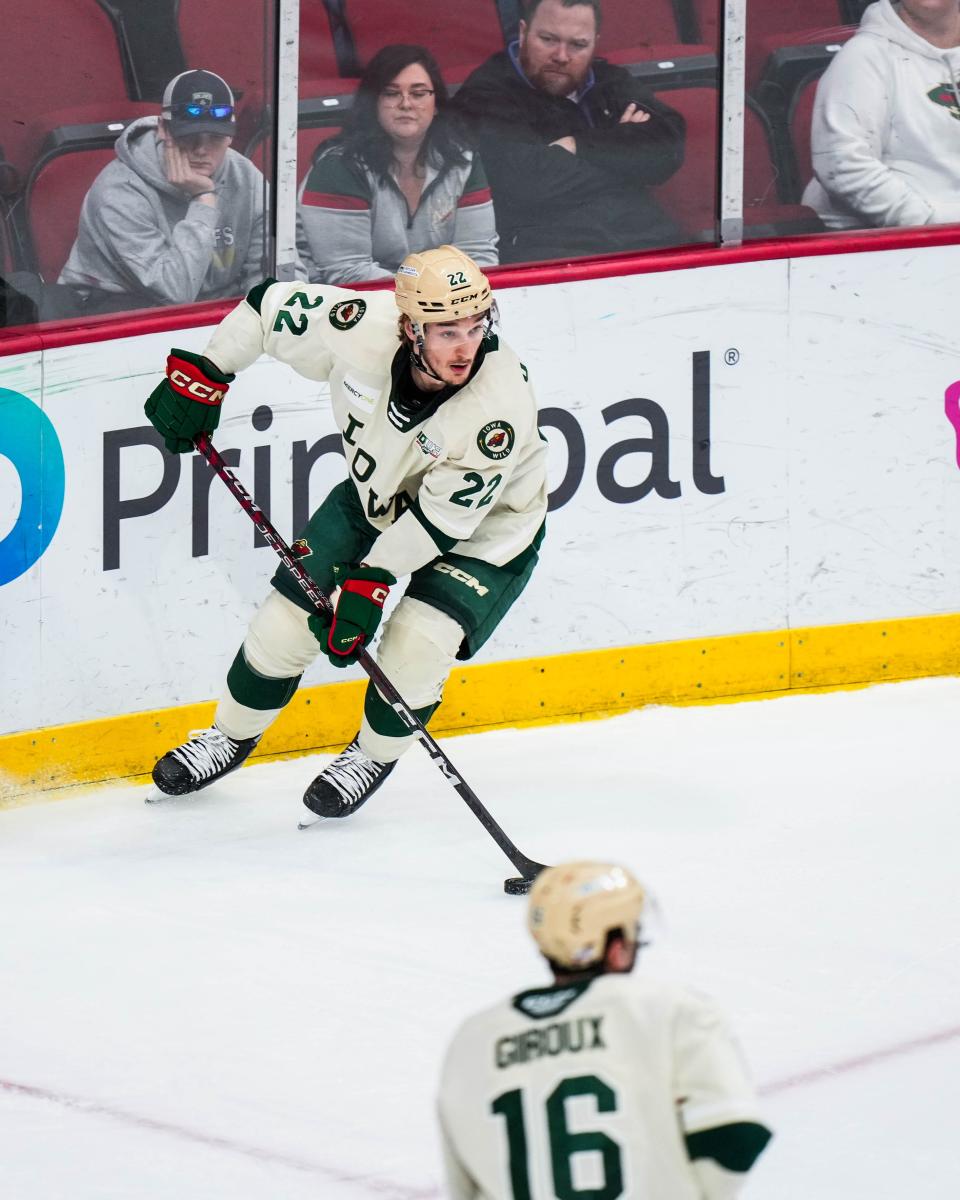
[188, 380]
[370, 589]
[340, 651]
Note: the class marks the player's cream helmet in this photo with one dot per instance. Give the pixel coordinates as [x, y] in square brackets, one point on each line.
[441, 285]
[575, 905]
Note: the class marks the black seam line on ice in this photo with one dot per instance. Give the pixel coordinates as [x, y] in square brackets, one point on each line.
[869, 1059]
[380, 1187]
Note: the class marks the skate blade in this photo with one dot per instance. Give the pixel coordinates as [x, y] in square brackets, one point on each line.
[309, 824]
[156, 796]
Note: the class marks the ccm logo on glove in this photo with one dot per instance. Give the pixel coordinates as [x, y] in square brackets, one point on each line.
[363, 593]
[188, 380]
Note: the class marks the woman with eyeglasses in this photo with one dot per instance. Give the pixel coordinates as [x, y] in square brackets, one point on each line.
[401, 178]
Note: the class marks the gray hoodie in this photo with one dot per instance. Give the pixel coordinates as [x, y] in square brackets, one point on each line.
[141, 236]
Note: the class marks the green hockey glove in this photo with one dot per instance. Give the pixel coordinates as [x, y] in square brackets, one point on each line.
[188, 401]
[363, 593]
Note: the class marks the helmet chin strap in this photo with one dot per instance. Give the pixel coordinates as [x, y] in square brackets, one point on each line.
[418, 352]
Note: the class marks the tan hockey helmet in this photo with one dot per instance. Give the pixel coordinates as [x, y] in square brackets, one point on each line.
[441, 285]
[574, 906]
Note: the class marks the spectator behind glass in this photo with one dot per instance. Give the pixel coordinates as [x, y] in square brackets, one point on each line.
[885, 137]
[571, 143]
[398, 180]
[178, 216]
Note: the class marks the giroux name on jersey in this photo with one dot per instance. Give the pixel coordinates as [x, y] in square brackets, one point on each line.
[562, 1037]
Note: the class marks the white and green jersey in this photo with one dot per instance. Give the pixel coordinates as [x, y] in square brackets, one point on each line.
[465, 474]
[595, 1089]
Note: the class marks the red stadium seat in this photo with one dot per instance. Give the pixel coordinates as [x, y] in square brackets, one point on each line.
[236, 45]
[798, 122]
[55, 194]
[690, 196]
[662, 67]
[323, 103]
[785, 64]
[318, 56]
[627, 23]
[308, 141]
[772, 23]
[61, 54]
[457, 32]
[771, 17]
[767, 178]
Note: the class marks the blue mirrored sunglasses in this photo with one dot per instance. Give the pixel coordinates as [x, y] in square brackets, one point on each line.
[219, 112]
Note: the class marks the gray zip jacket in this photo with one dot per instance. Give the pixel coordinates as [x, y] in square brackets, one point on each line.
[141, 236]
[355, 226]
[885, 136]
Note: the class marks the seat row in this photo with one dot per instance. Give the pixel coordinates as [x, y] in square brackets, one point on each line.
[40, 229]
[79, 61]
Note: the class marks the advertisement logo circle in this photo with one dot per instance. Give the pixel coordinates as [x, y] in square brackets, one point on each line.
[29, 441]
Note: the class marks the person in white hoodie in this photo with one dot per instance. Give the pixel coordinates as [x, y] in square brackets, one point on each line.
[885, 136]
[178, 216]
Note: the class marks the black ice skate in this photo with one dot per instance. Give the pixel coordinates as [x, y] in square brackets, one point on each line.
[207, 755]
[349, 781]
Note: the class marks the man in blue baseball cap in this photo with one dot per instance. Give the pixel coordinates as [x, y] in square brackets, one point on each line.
[179, 215]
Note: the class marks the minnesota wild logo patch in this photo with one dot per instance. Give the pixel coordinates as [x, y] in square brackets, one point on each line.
[346, 313]
[944, 95]
[496, 439]
[301, 548]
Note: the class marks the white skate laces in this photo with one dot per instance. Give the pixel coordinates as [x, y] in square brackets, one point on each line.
[352, 772]
[206, 752]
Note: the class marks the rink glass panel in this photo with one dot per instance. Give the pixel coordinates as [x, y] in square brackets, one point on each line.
[79, 71]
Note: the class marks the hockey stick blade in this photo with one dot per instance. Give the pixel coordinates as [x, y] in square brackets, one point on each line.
[321, 602]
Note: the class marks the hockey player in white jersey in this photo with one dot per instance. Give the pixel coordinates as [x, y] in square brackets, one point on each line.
[446, 484]
[600, 1084]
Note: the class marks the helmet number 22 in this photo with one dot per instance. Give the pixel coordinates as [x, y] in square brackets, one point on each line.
[563, 1144]
[456, 279]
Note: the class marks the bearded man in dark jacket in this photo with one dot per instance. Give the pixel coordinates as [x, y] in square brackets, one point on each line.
[571, 143]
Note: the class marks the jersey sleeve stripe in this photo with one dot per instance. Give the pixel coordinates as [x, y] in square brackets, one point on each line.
[443, 540]
[736, 1147]
[334, 200]
[255, 296]
[480, 196]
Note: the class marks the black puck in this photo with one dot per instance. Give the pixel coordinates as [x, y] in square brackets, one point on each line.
[517, 886]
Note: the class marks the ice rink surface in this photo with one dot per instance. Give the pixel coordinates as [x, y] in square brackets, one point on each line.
[199, 1002]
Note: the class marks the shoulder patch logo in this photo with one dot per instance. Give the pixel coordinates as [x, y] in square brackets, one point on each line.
[301, 548]
[943, 94]
[428, 446]
[496, 439]
[346, 313]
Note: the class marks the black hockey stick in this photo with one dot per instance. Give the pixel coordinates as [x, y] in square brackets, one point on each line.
[526, 866]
